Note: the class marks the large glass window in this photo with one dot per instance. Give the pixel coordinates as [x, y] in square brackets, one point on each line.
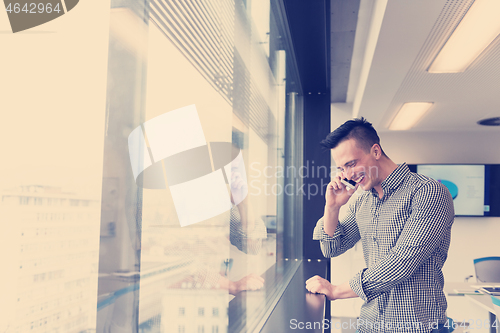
[53, 114]
[204, 103]
[174, 204]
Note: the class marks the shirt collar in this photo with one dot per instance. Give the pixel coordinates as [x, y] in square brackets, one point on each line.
[394, 179]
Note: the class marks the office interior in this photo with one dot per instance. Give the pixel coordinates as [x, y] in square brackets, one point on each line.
[99, 188]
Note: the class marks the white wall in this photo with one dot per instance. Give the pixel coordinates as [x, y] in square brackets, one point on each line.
[481, 147]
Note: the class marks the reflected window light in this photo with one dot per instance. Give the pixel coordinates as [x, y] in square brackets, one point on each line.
[260, 11]
[159, 243]
[129, 29]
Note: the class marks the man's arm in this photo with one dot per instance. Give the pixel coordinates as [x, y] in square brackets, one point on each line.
[330, 220]
[430, 220]
[335, 238]
[247, 238]
[345, 236]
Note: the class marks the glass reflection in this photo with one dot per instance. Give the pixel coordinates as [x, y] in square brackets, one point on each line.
[163, 268]
[94, 249]
[53, 241]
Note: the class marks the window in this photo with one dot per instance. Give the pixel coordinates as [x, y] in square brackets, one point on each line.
[203, 115]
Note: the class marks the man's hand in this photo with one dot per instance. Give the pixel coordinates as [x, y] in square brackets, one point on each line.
[318, 285]
[337, 194]
[250, 282]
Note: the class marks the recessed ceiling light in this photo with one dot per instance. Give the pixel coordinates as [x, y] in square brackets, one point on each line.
[495, 121]
[478, 28]
[409, 115]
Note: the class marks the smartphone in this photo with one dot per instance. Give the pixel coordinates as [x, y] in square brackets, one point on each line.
[349, 183]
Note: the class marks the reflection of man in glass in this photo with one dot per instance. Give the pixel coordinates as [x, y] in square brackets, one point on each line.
[403, 220]
[246, 232]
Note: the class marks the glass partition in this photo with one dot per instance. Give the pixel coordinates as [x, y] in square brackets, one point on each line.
[197, 221]
[169, 201]
[53, 114]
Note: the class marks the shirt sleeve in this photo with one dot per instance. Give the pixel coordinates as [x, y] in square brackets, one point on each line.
[247, 241]
[345, 237]
[430, 220]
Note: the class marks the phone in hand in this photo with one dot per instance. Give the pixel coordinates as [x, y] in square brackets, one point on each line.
[351, 184]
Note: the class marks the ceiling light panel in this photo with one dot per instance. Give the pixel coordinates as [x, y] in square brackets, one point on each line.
[479, 27]
[409, 115]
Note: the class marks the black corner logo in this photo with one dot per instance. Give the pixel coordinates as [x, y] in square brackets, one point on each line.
[28, 14]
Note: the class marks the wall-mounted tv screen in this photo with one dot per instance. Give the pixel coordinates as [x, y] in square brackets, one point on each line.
[475, 188]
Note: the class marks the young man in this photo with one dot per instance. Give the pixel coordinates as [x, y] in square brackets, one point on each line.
[404, 222]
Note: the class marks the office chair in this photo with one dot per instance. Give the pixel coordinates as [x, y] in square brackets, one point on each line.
[451, 325]
[496, 306]
[487, 269]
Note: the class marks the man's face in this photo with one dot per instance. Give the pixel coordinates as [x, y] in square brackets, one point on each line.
[354, 163]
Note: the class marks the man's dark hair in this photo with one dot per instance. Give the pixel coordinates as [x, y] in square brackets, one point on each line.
[359, 129]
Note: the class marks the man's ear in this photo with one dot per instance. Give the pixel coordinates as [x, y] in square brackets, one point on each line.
[376, 151]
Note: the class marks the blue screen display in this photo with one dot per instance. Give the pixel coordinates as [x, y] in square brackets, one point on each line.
[475, 188]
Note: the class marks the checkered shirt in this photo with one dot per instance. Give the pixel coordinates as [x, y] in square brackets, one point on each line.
[405, 237]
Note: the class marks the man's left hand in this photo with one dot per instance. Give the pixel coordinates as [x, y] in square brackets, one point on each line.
[318, 285]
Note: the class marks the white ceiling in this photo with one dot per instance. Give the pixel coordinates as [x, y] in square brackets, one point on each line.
[410, 35]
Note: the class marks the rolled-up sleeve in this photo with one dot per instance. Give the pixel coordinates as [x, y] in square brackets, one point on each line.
[428, 226]
[247, 241]
[346, 235]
